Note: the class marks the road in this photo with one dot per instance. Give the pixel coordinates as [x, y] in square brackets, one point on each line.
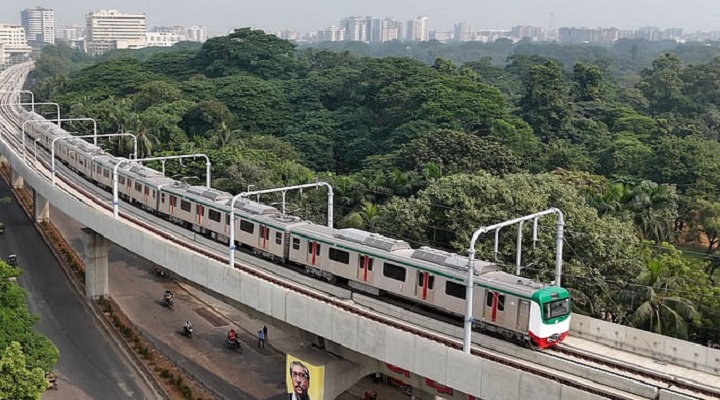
[90, 364]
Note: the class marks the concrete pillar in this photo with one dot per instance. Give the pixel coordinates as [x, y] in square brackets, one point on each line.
[96, 264]
[16, 180]
[327, 371]
[41, 207]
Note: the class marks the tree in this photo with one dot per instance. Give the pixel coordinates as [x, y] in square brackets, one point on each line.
[655, 301]
[17, 381]
[546, 104]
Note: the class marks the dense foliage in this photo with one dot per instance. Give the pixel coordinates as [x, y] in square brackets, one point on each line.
[431, 141]
[24, 354]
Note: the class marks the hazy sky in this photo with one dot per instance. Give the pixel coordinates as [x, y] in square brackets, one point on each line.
[309, 15]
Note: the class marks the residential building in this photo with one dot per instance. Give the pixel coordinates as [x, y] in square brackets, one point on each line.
[417, 29]
[197, 34]
[39, 24]
[462, 32]
[110, 29]
[14, 44]
[331, 34]
[386, 30]
[441, 36]
[163, 39]
[357, 29]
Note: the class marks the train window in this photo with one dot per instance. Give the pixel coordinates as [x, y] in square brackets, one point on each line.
[247, 226]
[501, 302]
[98, 169]
[121, 180]
[153, 194]
[227, 219]
[296, 244]
[489, 299]
[106, 173]
[200, 210]
[394, 272]
[455, 290]
[557, 308]
[147, 190]
[431, 281]
[138, 186]
[162, 198]
[278, 238]
[340, 256]
[185, 205]
[214, 215]
[264, 231]
[173, 201]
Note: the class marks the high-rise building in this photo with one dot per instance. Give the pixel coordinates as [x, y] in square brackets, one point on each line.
[39, 24]
[110, 29]
[417, 29]
[331, 34]
[385, 30]
[197, 34]
[462, 32]
[357, 29]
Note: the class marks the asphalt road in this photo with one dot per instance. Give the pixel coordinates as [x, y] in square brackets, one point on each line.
[91, 366]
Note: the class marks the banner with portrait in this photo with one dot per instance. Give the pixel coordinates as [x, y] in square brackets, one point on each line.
[304, 381]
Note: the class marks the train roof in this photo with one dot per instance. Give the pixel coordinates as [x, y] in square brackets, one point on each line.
[252, 207]
[214, 195]
[83, 146]
[509, 282]
[398, 250]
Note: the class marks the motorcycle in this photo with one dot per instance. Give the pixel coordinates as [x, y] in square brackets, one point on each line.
[188, 331]
[167, 301]
[12, 260]
[233, 344]
[159, 272]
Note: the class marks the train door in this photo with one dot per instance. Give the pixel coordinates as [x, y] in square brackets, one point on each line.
[313, 252]
[199, 213]
[365, 268]
[494, 309]
[146, 194]
[263, 236]
[523, 315]
[425, 286]
[173, 204]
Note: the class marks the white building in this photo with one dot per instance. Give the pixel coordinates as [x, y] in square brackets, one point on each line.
[331, 34]
[462, 32]
[197, 34]
[39, 24]
[386, 30]
[417, 29]
[163, 39]
[13, 42]
[109, 29]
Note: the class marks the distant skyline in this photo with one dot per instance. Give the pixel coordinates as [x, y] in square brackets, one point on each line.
[220, 16]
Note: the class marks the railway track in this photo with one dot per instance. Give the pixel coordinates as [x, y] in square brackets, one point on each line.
[540, 364]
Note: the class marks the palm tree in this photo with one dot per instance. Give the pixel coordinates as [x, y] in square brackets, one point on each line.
[655, 305]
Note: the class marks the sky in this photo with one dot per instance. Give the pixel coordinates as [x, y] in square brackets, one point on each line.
[221, 16]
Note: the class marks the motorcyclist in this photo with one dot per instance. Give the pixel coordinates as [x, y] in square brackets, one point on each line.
[168, 296]
[188, 326]
[232, 339]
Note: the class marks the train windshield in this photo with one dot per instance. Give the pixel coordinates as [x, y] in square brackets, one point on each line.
[557, 308]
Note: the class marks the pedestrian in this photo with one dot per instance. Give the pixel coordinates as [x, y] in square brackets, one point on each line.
[265, 333]
[261, 339]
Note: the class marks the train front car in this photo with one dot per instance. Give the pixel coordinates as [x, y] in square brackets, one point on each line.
[549, 316]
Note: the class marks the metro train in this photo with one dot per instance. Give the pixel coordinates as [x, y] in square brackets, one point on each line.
[517, 308]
